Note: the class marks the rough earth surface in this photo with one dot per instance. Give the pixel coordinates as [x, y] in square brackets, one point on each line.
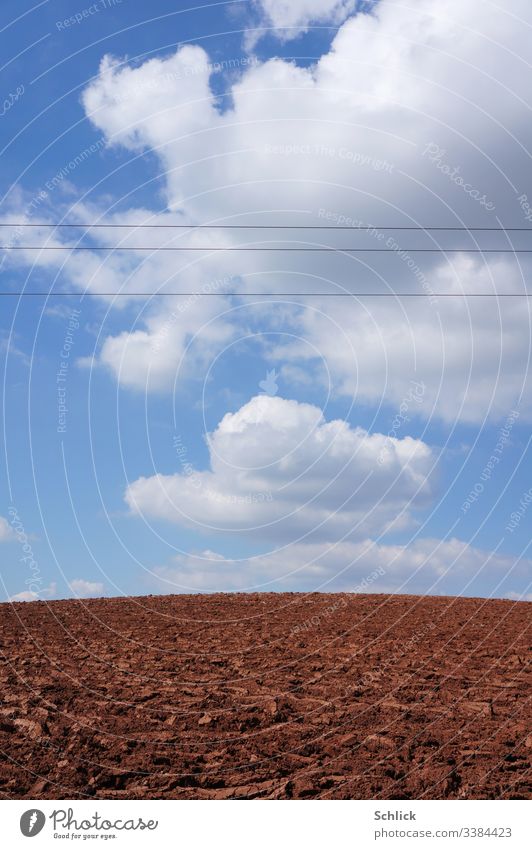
[272, 696]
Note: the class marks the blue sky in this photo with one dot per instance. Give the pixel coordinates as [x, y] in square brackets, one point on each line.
[391, 434]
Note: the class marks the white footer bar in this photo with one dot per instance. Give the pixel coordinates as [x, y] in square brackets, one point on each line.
[256, 824]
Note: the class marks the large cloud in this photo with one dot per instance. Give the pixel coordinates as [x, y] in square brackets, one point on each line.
[415, 114]
[390, 84]
[357, 134]
[279, 469]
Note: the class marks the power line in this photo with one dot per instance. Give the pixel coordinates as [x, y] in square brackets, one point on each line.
[90, 226]
[270, 294]
[241, 249]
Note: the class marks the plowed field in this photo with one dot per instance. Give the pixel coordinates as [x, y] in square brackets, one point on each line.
[266, 696]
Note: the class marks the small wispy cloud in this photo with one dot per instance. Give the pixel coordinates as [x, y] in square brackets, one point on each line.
[515, 596]
[29, 595]
[86, 589]
[9, 348]
[7, 534]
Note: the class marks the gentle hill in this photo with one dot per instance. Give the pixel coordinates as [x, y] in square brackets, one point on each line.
[266, 695]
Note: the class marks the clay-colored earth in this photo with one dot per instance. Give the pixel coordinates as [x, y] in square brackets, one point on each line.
[272, 696]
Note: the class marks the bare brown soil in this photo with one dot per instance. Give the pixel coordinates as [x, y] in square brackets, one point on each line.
[266, 696]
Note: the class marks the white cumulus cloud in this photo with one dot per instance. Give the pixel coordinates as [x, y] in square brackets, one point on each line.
[279, 469]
